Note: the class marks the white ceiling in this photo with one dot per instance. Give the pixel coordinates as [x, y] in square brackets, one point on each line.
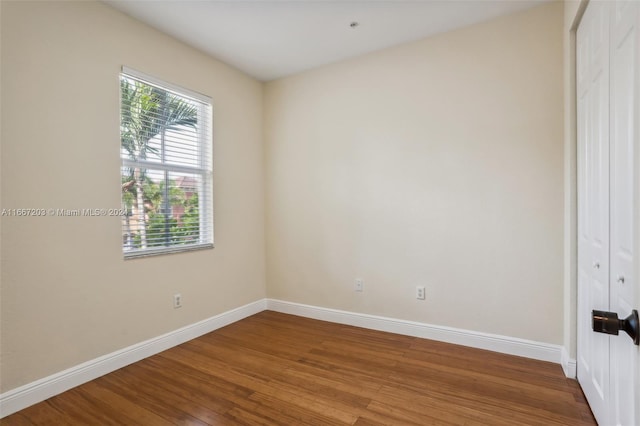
[271, 39]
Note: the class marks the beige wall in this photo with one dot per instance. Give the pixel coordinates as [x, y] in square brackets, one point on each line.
[67, 294]
[436, 163]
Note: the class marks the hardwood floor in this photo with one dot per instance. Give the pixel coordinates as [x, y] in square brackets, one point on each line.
[273, 368]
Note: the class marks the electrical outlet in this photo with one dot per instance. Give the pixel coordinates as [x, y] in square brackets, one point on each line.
[420, 292]
[177, 301]
[359, 285]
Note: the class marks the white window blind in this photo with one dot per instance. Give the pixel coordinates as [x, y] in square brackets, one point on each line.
[166, 172]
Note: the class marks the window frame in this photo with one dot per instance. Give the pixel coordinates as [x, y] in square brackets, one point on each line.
[204, 169]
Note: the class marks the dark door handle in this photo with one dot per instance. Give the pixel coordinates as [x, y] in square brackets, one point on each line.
[608, 322]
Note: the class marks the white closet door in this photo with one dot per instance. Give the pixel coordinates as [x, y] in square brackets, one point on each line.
[593, 204]
[608, 66]
[625, 76]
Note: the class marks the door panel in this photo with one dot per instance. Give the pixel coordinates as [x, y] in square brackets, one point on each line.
[593, 205]
[624, 137]
[608, 106]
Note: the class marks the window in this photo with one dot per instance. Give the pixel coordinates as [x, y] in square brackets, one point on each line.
[166, 151]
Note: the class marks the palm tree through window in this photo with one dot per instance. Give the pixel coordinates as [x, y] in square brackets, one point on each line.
[166, 167]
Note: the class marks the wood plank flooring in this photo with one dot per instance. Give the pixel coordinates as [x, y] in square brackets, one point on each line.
[274, 368]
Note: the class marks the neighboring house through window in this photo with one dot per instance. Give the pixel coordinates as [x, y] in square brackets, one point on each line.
[166, 151]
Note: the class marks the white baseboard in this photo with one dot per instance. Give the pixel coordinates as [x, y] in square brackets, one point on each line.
[568, 364]
[492, 342]
[32, 393]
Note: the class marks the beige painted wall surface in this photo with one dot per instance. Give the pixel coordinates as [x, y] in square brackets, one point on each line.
[437, 163]
[67, 294]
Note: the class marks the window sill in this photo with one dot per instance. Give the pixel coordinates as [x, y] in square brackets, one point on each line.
[136, 254]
